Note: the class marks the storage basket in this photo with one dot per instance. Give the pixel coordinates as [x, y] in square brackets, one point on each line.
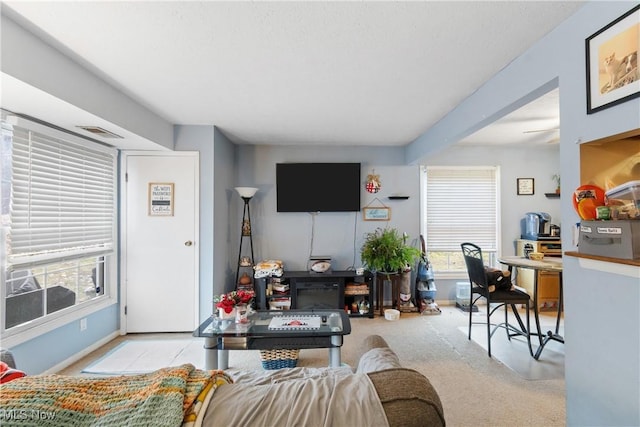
[277, 359]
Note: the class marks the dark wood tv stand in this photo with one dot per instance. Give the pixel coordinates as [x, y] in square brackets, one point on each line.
[325, 289]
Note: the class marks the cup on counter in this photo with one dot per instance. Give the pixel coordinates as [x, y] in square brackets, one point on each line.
[359, 271]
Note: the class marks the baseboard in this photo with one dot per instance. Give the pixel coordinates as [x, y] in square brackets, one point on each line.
[73, 359]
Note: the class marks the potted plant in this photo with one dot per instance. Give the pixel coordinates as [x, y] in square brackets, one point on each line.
[556, 178]
[227, 303]
[385, 251]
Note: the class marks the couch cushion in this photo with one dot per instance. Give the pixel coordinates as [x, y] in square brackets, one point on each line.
[378, 359]
[408, 398]
[307, 397]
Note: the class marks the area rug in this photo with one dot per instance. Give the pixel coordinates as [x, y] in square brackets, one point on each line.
[515, 355]
[142, 356]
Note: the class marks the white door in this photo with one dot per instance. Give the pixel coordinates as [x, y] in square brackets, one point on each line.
[160, 256]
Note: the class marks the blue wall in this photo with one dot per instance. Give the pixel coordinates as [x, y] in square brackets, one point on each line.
[596, 294]
[539, 162]
[40, 354]
[287, 236]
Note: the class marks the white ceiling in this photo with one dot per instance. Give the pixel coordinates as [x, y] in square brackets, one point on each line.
[330, 73]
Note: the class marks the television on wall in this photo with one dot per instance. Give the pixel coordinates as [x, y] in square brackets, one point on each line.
[318, 187]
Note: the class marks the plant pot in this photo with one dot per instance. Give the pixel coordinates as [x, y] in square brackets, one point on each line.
[226, 316]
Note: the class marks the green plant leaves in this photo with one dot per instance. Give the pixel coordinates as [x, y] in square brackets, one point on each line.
[385, 250]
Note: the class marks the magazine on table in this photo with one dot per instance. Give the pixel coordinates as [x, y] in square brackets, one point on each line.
[296, 322]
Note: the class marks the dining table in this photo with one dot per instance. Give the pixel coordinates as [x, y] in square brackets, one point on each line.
[551, 264]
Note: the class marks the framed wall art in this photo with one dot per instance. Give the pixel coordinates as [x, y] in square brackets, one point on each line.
[161, 199]
[612, 62]
[376, 214]
[525, 186]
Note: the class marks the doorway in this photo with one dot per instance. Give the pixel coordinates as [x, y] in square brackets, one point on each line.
[160, 223]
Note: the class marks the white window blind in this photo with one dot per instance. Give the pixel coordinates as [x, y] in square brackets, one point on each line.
[461, 206]
[62, 197]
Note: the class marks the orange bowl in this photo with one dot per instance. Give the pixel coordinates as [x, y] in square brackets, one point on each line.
[587, 209]
[585, 192]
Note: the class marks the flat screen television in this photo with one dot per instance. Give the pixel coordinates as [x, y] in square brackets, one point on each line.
[318, 187]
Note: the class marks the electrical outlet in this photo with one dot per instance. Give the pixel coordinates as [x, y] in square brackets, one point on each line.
[83, 324]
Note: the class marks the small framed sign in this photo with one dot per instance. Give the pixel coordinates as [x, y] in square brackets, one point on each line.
[160, 199]
[376, 214]
[525, 186]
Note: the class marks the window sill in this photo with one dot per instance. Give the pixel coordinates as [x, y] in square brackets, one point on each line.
[27, 332]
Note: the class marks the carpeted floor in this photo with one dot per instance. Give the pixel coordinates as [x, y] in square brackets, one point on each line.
[515, 354]
[475, 390]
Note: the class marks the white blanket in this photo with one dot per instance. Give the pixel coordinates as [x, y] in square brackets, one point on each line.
[309, 397]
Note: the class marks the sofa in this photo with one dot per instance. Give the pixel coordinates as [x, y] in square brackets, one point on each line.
[377, 392]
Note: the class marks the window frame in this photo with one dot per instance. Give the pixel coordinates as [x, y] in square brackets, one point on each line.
[490, 253]
[48, 322]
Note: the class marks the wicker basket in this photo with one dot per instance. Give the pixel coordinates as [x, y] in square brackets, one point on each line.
[277, 359]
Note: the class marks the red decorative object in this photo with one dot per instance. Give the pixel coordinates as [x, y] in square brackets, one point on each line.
[7, 373]
[228, 301]
[373, 184]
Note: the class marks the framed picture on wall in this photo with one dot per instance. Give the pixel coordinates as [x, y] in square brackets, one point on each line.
[161, 198]
[525, 186]
[612, 62]
[376, 214]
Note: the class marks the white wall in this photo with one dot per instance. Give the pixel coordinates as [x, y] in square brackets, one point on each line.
[30, 60]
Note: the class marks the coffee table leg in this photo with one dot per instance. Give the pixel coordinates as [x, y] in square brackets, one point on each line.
[334, 352]
[223, 359]
[210, 353]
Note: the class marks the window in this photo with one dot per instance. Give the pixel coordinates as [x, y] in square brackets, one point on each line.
[58, 222]
[460, 204]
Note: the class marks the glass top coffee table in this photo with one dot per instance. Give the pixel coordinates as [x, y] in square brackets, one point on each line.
[274, 330]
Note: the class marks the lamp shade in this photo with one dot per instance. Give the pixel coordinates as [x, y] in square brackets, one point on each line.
[246, 192]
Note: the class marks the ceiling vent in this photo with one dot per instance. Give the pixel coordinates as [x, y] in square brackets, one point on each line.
[96, 130]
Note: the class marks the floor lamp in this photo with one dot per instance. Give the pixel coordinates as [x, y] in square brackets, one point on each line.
[246, 193]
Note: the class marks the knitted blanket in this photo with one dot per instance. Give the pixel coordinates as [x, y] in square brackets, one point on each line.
[171, 396]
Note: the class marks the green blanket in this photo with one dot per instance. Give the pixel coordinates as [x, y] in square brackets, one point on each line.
[161, 398]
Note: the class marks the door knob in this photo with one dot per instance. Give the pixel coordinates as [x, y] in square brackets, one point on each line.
[188, 243]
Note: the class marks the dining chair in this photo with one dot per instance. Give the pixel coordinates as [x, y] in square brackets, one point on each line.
[495, 300]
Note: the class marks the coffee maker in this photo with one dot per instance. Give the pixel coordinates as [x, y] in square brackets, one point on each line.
[536, 226]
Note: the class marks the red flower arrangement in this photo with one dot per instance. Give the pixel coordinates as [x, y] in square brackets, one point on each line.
[229, 300]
